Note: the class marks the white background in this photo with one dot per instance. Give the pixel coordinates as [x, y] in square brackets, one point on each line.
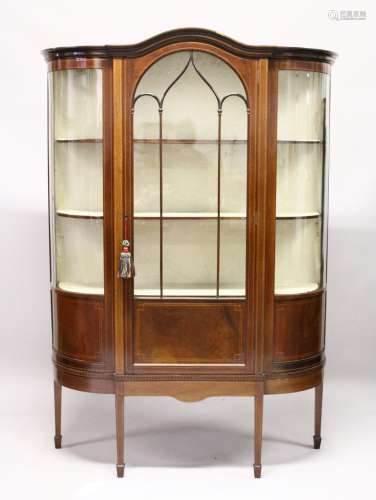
[174, 449]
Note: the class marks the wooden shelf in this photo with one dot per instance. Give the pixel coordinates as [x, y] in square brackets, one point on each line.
[79, 141]
[293, 216]
[300, 142]
[189, 216]
[309, 287]
[190, 141]
[187, 141]
[77, 288]
[86, 214]
[154, 292]
[80, 214]
[189, 292]
[83, 214]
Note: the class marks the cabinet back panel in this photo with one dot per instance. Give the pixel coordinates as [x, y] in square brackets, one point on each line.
[188, 333]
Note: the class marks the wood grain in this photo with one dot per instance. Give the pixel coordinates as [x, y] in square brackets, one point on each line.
[298, 328]
[174, 333]
[259, 405]
[118, 183]
[57, 399]
[119, 411]
[189, 349]
[318, 413]
[185, 36]
[261, 215]
[80, 327]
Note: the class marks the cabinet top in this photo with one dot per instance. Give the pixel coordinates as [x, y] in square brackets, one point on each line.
[190, 35]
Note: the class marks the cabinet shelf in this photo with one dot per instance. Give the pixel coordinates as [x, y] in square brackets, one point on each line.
[78, 288]
[83, 214]
[223, 141]
[189, 216]
[190, 292]
[80, 214]
[79, 141]
[189, 141]
[296, 290]
[292, 215]
[287, 141]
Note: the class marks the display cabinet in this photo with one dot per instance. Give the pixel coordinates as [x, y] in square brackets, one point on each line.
[188, 220]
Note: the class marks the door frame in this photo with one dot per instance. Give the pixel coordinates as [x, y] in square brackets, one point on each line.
[254, 75]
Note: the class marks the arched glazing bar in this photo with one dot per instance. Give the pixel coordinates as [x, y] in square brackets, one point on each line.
[160, 101]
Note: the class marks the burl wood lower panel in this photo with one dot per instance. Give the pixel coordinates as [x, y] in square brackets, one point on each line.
[188, 333]
[298, 327]
[79, 327]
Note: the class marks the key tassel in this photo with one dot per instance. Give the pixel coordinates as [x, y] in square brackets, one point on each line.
[126, 264]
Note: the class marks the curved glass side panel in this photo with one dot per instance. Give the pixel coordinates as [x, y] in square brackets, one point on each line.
[190, 127]
[77, 104]
[301, 181]
[301, 105]
[76, 179]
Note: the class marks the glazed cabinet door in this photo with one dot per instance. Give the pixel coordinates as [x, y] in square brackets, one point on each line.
[188, 217]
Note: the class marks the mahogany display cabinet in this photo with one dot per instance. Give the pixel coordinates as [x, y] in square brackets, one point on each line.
[188, 220]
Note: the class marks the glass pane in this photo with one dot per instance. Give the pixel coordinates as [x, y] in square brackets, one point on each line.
[79, 254]
[190, 168]
[234, 119]
[78, 104]
[301, 105]
[146, 179]
[299, 179]
[190, 173]
[220, 75]
[76, 173]
[302, 113]
[146, 257]
[184, 120]
[232, 257]
[234, 158]
[189, 257]
[79, 177]
[145, 120]
[298, 258]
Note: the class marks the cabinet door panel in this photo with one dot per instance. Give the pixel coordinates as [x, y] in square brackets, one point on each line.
[187, 333]
[189, 207]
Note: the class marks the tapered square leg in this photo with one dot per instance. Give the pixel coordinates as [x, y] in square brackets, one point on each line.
[119, 406]
[57, 397]
[318, 413]
[259, 403]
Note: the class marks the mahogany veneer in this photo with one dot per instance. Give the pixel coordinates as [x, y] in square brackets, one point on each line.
[189, 348]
